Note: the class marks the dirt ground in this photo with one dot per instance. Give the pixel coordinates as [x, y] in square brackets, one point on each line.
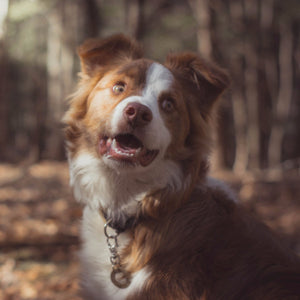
[39, 225]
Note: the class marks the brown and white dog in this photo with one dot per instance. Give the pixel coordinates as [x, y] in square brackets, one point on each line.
[154, 226]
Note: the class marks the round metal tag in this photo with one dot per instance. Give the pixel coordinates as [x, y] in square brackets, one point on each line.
[120, 278]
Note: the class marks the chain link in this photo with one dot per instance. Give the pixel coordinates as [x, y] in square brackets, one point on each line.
[119, 277]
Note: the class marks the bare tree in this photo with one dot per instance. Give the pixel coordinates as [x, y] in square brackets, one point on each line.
[240, 117]
[60, 62]
[134, 17]
[3, 79]
[91, 16]
[282, 107]
[201, 11]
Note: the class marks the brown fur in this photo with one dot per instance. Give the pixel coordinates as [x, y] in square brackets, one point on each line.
[211, 244]
[198, 244]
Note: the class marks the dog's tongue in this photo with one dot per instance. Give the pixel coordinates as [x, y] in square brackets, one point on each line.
[126, 148]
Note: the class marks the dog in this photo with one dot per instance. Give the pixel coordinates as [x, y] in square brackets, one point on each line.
[155, 226]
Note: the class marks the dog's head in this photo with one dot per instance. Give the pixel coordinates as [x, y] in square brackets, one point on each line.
[133, 115]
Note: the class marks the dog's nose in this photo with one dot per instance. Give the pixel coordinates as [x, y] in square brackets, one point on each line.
[137, 114]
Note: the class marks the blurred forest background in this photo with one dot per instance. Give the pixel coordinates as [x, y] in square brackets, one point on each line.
[258, 137]
[258, 41]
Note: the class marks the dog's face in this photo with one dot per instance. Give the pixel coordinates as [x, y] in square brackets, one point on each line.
[128, 113]
[133, 114]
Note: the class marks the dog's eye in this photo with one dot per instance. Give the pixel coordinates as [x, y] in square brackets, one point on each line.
[118, 88]
[168, 105]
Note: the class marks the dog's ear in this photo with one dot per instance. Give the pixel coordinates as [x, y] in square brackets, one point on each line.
[204, 79]
[97, 53]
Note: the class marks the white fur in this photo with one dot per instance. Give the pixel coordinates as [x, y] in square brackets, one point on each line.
[158, 80]
[96, 265]
[98, 186]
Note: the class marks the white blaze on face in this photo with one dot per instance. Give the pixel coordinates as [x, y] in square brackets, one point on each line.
[158, 80]
[118, 189]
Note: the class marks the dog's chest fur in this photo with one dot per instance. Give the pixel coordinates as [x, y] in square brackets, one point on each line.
[158, 254]
[95, 259]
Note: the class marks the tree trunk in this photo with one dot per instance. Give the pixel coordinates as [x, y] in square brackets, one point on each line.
[251, 88]
[201, 11]
[252, 106]
[240, 117]
[134, 18]
[92, 19]
[3, 81]
[60, 62]
[55, 86]
[3, 101]
[281, 109]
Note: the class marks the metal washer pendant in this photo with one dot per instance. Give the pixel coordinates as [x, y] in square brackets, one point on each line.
[120, 278]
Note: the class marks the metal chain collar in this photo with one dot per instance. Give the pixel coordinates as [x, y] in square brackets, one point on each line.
[118, 276]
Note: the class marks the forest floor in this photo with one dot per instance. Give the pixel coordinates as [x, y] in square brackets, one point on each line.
[39, 222]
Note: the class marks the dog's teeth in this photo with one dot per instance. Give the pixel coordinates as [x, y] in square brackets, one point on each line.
[119, 152]
[114, 144]
[108, 142]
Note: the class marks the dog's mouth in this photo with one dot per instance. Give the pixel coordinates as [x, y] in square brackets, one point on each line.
[126, 148]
